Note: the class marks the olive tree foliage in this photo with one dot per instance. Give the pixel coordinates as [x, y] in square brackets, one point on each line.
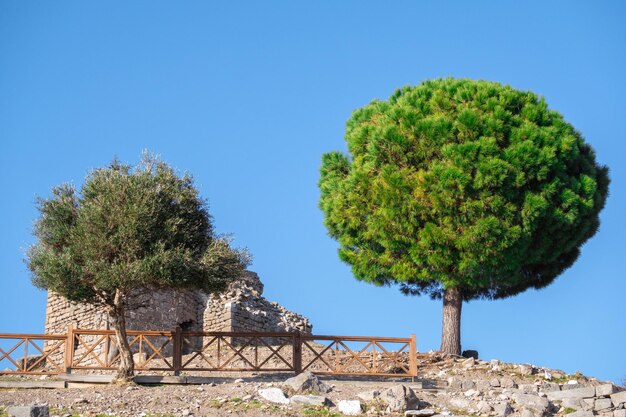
[128, 230]
[461, 185]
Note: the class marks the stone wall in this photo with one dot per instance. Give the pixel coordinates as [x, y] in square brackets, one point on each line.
[60, 313]
[159, 310]
[240, 308]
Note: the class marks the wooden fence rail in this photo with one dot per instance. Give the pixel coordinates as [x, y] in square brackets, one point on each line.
[181, 351]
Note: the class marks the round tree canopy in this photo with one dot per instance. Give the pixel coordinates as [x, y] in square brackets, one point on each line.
[129, 228]
[463, 184]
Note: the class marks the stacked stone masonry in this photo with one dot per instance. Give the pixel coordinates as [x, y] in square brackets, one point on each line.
[241, 308]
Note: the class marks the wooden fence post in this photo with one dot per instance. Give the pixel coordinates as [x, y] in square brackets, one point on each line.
[413, 357]
[69, 348]
[297, 352]
[177, 354]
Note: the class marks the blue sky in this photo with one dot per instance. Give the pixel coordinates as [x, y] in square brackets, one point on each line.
[247, 96]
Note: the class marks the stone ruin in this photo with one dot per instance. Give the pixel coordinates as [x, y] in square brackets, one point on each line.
[240, 308]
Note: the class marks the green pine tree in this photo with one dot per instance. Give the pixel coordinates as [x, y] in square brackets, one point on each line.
[461, 189]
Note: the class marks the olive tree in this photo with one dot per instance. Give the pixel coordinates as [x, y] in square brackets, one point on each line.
[461, 189]
[128, 230]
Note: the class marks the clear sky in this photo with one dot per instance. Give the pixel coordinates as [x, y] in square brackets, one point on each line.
[247, 96]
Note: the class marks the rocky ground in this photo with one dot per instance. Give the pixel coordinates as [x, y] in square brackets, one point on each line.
[446, 386]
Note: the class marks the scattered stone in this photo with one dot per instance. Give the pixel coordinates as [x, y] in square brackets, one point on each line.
[368, 396]
[605, 390]
[588, 403]
[399, 398]
[486, 394]
[455, 383]
[470, 354]
[483, 385]
[28, 411]
[549, 386]
[349, 407]
[618, 398]
[468, 363]
[507, 382]
[306, 381]
[503, 409]
[484, 407]
[274, 395]
[581, 414]
[547, 376]
[314, 400]
[574, 403]
[526, 369]
[471, 393]
[602, 404]
[528, 388]
[426, 412]
[533, 402]
[585, 392]
[467, 384]
[460, 403]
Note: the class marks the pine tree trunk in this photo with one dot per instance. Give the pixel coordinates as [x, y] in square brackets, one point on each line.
[451, 327]
[127, 365]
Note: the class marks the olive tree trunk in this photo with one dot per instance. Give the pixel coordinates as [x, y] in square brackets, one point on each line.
[117, 313]
[451, 326]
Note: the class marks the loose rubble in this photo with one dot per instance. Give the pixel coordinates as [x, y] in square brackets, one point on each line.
[350, 407]
[305, 382]
[315, 400]
[274, 395]
[446, 387]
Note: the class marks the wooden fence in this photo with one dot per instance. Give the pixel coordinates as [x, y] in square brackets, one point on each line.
[189, 352]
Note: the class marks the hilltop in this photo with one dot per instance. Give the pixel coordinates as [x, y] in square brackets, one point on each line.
[446, 386]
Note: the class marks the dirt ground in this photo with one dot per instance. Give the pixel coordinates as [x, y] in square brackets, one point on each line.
[232, 397]
[450, 386]
[229, 394]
